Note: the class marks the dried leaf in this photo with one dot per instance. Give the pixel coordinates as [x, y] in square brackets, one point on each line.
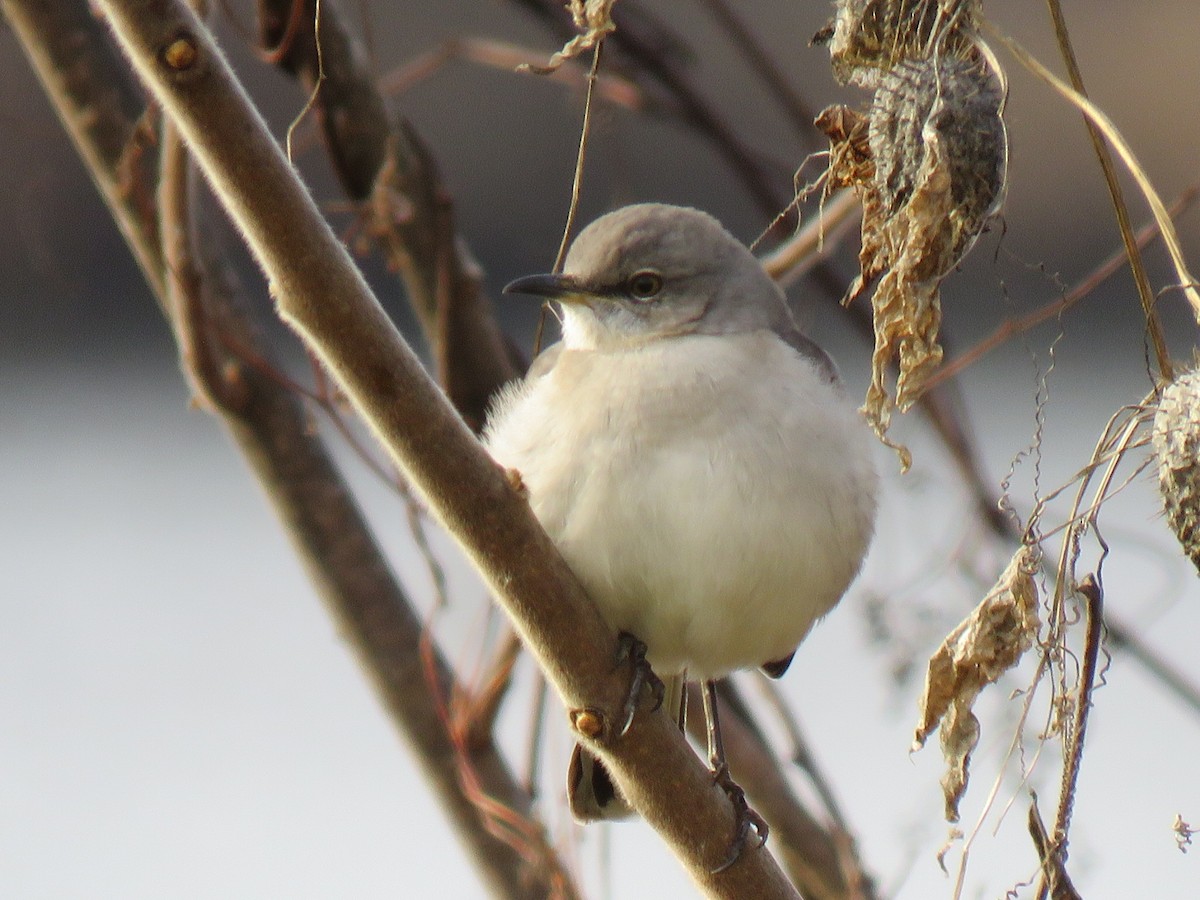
[1177, 446]
[952, 838]
[850, 162]
[593, 18]
[986, 644]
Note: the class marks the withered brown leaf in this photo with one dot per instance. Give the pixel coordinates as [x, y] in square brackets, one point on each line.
[989, 642]
[593, 18]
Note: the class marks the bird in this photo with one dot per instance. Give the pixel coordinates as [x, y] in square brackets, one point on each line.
[694, 458]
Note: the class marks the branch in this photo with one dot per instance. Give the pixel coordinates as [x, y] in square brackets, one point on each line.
[322, 295]
[1055, 882]
[1089, 588]
[98, 104]
[646, 48]
[1120, 208]
[1187, 283]
[386, 166]
[821, 860]
[82, 75]
[508, 58]
[814, 243]
[1085, 288]
[800, 114]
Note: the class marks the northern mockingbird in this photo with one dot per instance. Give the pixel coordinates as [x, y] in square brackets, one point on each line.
[692, 455]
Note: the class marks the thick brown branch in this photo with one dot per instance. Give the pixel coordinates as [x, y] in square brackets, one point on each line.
[274, 432]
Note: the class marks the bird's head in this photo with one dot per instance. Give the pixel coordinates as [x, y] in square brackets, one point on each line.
[654, 271]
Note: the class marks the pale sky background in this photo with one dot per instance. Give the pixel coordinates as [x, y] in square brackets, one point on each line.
[178, 716]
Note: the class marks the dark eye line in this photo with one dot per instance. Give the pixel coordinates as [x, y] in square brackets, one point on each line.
[620, 289]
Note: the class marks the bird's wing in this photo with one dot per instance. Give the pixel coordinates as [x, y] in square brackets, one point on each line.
[776, 667]
[808, 348]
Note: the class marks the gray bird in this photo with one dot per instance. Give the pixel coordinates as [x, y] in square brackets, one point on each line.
[692, 455]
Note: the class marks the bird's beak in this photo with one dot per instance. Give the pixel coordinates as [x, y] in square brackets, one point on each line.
[562, 288]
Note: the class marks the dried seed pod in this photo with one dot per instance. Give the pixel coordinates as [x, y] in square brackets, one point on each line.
[940, 151]
[1177, 446]
[942, 112]
[930, 172]
[869, 37]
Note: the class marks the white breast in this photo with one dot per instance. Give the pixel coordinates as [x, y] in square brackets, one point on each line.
[715, 496]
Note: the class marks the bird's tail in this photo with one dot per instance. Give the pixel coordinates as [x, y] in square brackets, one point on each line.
[591, 791]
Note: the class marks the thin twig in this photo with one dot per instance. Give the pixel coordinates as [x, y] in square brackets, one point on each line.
[278, 54]
[1136, 266]
[1187, 282]
[1093, 594]
[821, 866]
[642, 43]
[525, 834]
[537, 719]
[200, 352]
[802, 754]
[1012, 327]
[485, 704]
[385, 167]
[1128, 640]
[1055, 881]
[795, 257]
[585, 132]
[1116, 433]
[508, 57]
[800, 114]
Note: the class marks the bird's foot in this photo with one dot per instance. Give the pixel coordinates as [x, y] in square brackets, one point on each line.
[633, 651]
[746, 818]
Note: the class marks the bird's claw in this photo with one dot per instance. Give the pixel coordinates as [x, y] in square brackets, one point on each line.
[746, 818]
[630, 649]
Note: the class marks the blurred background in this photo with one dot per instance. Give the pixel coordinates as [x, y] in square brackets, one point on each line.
[178, 716]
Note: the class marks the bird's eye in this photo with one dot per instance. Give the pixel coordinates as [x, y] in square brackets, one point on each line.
[644, 285]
